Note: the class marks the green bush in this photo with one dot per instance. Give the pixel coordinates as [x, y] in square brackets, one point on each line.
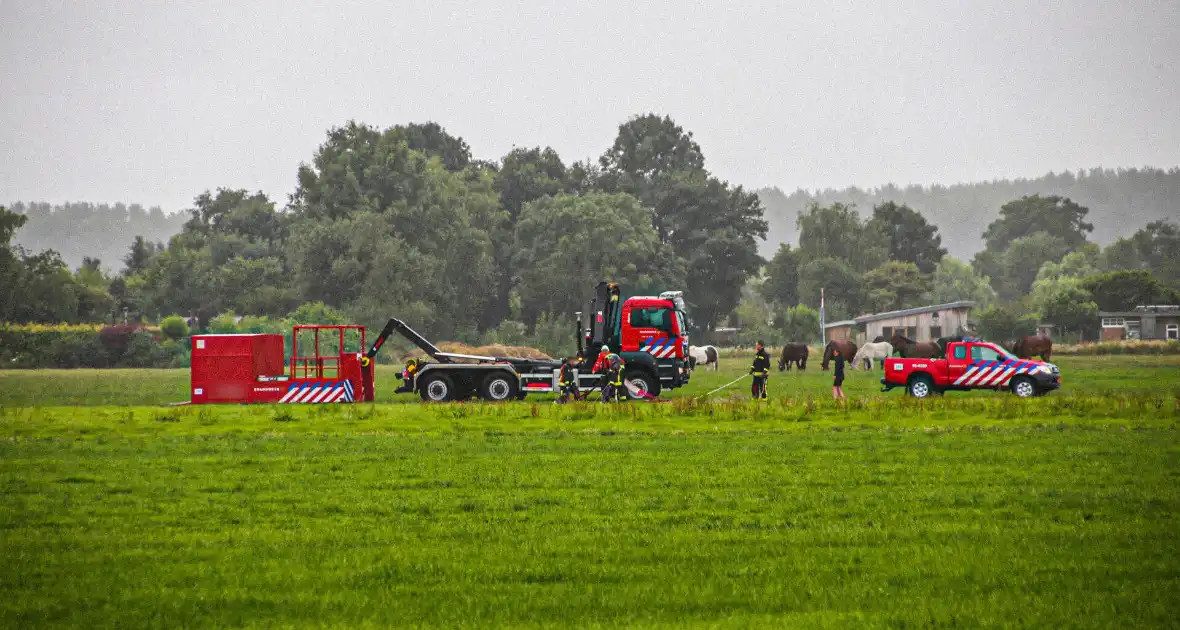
[143, 351]
[174, 327]
[316, 313]
[224, 323]
[113, 346]
[1119, 347]
[74, 350]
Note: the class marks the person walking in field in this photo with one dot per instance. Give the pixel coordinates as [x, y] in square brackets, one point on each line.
[761, 371]
[838, 379]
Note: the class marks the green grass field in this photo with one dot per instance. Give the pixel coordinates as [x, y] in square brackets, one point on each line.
[969, 510]
[1081, 375]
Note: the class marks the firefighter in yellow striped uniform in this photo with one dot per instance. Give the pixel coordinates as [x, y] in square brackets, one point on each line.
[760, 371]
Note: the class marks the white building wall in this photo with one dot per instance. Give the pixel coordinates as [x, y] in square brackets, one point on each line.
[950, 321]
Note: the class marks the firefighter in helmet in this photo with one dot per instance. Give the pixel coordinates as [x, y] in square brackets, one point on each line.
[567, 380]
[611, 365]
[760, 370]
[408, 375]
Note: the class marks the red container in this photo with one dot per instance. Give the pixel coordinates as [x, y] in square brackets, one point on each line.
[226, 368]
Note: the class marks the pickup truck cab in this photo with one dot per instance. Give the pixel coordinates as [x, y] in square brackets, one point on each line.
[971, 364]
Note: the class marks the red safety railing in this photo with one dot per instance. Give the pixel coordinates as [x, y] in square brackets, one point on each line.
[320, 364]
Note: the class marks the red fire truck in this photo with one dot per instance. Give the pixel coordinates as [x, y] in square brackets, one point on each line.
[971, 364]
[329, 364]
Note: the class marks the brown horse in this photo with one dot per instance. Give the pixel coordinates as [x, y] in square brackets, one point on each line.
[847, 350]
[943, 342]
[795, 353]
[910, 349]
[1029, 347]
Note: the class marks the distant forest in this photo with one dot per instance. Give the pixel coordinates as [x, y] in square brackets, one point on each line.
[102, 231]
[1120, 202]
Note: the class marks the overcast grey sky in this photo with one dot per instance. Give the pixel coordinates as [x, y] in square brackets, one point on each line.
[154, 102]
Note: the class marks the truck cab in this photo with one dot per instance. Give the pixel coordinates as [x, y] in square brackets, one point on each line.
[971, 364]
[649, 332]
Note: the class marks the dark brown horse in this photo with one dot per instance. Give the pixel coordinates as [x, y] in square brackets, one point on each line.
[910, 349]
[1029, 347]
[793, 353]
[847, 350]
[943, 342]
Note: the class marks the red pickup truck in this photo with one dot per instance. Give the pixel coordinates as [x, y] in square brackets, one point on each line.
[971, 364]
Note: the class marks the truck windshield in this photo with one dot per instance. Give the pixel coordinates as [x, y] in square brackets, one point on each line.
[660, 318]
[989, 353]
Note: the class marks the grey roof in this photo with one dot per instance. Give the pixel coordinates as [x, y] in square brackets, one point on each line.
[847, 322]
[915, 311]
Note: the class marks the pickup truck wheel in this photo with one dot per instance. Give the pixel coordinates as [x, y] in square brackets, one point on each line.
[921, 387]
[1024, 387]
[498, 387]
[437, 388]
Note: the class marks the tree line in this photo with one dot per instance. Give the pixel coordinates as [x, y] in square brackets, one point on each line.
[1121, 201]
[1037, 266]
[77, 231]
[405, 221]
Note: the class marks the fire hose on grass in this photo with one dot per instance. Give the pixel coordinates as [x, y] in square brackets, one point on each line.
[730, 384]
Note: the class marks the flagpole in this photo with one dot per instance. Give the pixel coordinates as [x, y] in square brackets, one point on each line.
[823, 332]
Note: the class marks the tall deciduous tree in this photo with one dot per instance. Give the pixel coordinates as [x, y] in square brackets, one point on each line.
[714, 229]
[837, 231]
[374, 218]
[1157, 247]
[646, 147]
[910, 238]
[523, 175]
[798, 324]
[894, 286]
[566, 244]
[1124, 290]
[841, 283]
[955, 280]
[1057, 216]
[1013, 270]
[781, 287]
[431, 139]
[1071, 309]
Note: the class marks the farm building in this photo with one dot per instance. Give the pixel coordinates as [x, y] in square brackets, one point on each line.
[837, 331]
[926, 323]
[1144, 322]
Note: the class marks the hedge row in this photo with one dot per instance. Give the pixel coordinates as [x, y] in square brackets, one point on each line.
[125, 346]
[1118, 347]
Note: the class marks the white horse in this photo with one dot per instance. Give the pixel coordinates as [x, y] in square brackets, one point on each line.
[702, 355]
[870, 351]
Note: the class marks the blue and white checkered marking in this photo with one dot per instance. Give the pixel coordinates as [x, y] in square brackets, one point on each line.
[319, 392]
[997, 373]
[659, 347]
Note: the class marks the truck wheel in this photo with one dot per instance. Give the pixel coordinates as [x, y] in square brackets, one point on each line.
[437, 388]
[498, 387]
[921, 387]
[1024, 387]
[645, 382]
